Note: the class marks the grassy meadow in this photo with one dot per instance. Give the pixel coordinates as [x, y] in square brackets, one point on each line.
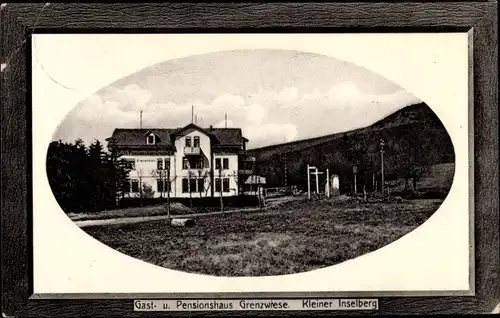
[291, 237]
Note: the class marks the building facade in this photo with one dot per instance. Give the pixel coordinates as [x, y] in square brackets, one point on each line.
[185, 162]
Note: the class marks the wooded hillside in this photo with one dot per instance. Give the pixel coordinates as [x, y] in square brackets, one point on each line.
[415, 139]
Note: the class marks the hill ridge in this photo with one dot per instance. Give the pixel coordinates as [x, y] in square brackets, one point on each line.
[386, 122]
[414, 137]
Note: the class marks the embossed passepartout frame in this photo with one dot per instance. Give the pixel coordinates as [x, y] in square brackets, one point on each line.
[19, 21]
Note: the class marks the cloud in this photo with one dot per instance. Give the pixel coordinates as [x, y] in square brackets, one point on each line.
[287, 95]
[225, 101]
[348, 96]
[130, 98]
[271, 134]
[255, 114]
[251, 118]
[345, 93]
[266, 117]
[120, 108]
[222, 124]
[97, 109]
[318, 112]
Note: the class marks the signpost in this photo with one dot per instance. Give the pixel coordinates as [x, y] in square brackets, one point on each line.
[317, 181]
[316, 172]
[309, 181]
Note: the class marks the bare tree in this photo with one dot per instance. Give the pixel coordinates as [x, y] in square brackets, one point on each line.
[164, 176]
[234, 176]
[191, 174]
[221, 190]
[207, 185]
[160, 175]
[202, 175]
[140, 176]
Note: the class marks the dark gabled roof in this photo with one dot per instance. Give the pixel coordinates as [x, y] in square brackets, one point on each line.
[179, 130]
[137, 137]
[227, 136]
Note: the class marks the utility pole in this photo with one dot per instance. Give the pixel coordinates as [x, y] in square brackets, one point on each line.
[382, 150]
[355, 172]
[327, 183]
[192, 114]
[308, 183]
[286, 172]
[355, 185]
[225, 119]
[286, 168]
[140, 120]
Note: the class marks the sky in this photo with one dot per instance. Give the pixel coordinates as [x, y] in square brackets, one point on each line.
[274, 96]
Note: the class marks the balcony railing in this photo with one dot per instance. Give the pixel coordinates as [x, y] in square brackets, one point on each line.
[245, 171]
[192, 151]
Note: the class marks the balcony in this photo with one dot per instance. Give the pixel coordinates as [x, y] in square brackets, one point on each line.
[245, 171]
[192, 151]
[247, 159]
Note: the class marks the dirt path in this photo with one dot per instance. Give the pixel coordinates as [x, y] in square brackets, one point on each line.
[138, 219]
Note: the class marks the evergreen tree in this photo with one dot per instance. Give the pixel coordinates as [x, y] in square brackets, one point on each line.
[85, 179]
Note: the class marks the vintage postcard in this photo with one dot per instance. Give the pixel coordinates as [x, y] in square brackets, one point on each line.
[252, 165]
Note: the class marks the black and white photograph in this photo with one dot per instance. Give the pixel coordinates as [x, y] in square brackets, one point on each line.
[231, 159]
[250, 163]
[257, 156]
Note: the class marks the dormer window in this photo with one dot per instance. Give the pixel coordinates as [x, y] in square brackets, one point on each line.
[150, 140]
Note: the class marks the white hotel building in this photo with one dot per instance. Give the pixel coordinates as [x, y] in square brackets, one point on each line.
[198, 162]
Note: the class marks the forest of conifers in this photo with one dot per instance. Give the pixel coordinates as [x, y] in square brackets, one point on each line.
[84, 178]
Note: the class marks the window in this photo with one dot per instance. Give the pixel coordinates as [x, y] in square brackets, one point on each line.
[185, 163]
[159, 164]
[151, 139]
[135, 185]
[196, 141]
[167, 164]
[201, 185]
[225, 163]
[160, 186]
[225, 185]
[188, 141]
[217, 185]
[192, 185]
[126, 187]
[197, 163]
[192, 163]
[217, 163]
